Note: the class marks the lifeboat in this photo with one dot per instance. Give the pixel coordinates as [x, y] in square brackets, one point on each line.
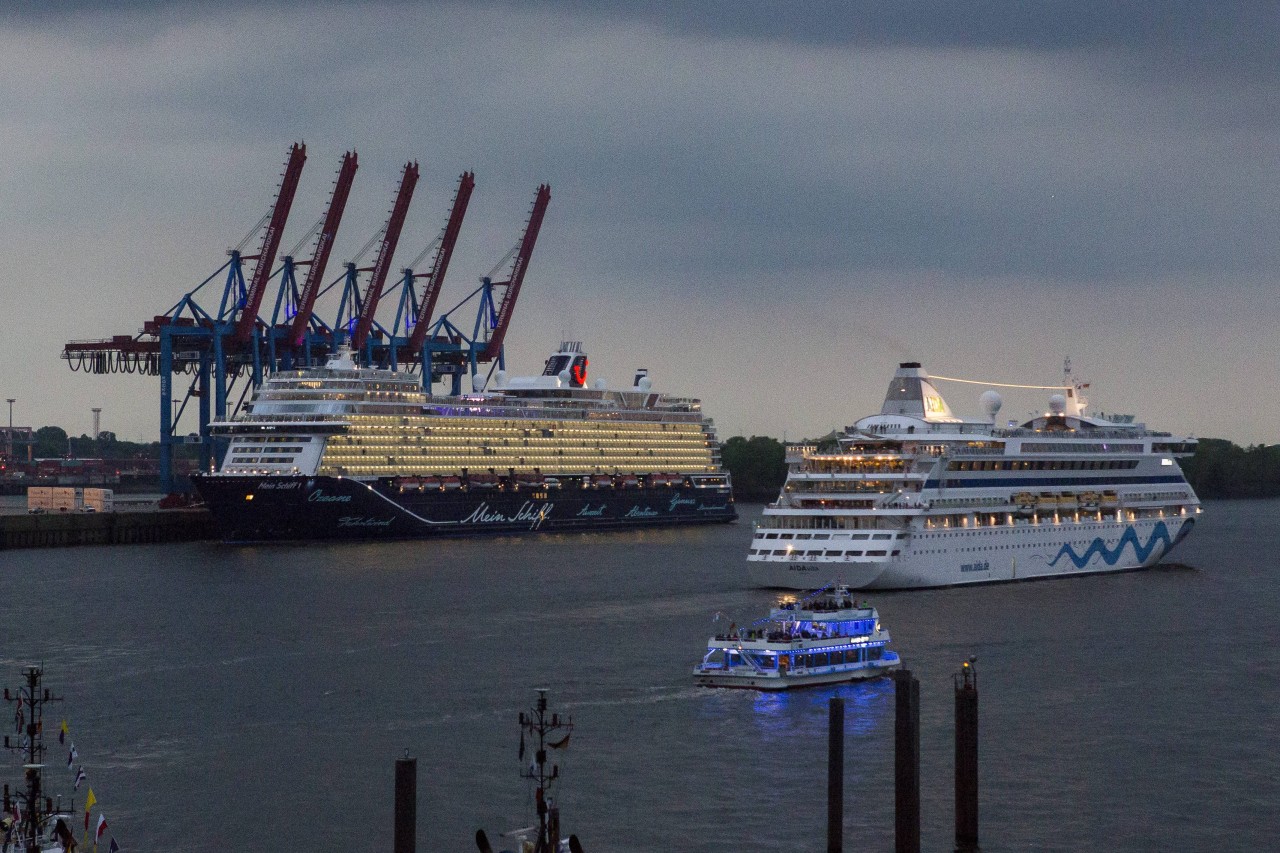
[430, 483]
[1089, 500]
[601, 481]
[483, 481]
[407, 483]
[1110, 500]
[1047, 500]
[630, 482]
[450, 483]
[529, 480]
[1067, 500]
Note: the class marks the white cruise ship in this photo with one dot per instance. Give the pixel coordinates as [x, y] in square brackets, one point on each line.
[918, 497]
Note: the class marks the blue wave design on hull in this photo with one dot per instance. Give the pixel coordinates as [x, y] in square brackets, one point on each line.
[1159, 534]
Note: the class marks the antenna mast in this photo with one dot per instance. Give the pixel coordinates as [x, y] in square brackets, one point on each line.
[36, 807]
[539, 724]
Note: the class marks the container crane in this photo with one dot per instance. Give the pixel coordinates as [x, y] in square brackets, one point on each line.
[448, 350]
[390, 237]
[218, 348]
[270, 244]
[439, 266]
[190, 339]
[518, 266]
[324, 244]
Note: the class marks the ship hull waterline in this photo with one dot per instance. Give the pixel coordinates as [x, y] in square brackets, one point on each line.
[792, 682]
[276, 508]
[1111, 547]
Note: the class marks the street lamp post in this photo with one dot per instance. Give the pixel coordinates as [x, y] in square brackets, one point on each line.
[10, 401]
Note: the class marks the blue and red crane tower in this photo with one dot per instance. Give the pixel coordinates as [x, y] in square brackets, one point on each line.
[446, 350]
[217, 348]
[298, 337]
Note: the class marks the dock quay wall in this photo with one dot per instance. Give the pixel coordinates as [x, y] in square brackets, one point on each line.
[54, 530]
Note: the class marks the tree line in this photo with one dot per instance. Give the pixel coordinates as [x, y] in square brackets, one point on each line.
[53, 442]
[1219, 468]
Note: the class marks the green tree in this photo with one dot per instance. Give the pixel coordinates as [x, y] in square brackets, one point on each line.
[50, 442]
[758, 466]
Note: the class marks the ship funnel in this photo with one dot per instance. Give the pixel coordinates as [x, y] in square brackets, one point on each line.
[911, 393]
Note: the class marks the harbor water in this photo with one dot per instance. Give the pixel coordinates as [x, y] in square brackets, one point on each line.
[238, 698]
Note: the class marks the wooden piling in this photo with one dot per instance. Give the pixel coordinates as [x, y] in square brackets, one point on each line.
[906, 800]
[967, 760]
[835, 775]
[406, 826]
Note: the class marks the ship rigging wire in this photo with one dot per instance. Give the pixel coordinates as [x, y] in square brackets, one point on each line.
[1002, 384]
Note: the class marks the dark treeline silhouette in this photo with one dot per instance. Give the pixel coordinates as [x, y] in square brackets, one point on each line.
[758, 466]
[1219, 469]
[52, 442]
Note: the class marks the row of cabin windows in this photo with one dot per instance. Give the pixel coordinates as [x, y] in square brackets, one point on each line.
[1041, 464]
[767, 553]
[816, 659]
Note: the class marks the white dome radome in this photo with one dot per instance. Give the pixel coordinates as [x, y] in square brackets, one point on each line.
[991, 402]
[1057, 404]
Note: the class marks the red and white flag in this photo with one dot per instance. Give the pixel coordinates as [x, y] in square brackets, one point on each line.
[102, 827]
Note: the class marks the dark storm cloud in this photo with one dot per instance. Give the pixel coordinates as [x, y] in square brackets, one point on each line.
[836, 183]
[1233, 37]
[1066, 139]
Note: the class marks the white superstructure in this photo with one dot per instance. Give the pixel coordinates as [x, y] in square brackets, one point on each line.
[918, 497]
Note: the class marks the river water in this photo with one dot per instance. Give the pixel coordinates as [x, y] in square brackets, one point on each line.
[235, 698]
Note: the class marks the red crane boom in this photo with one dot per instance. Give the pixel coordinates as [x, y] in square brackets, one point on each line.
[518, 268]
[271, 242]
[324, 244]
[390, 236]
[440, 265]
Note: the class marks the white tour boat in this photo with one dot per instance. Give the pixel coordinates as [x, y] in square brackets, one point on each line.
[918, 497]
[826, 638]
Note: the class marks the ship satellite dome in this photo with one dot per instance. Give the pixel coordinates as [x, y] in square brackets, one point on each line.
[644, 384]
[1057, 404]
[500, 378]
[991, 403]
[564, 376]
[600, 384]
[477, 382]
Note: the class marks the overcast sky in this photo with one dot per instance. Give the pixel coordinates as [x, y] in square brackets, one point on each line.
[768, 205]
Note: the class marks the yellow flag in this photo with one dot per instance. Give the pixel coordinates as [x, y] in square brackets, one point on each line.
[89, 801]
